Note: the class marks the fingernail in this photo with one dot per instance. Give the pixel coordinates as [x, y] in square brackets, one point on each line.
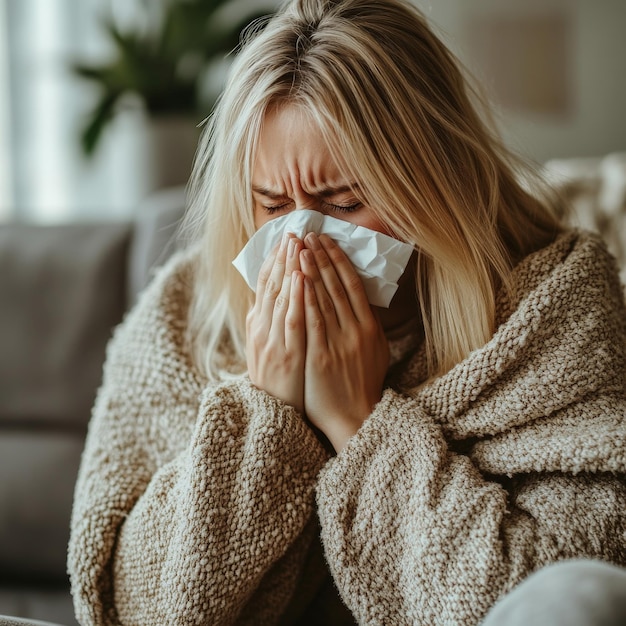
[313, 241]
[285, 241]
[291, 248]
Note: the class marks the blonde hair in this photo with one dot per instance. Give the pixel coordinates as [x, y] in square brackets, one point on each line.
[391, 102]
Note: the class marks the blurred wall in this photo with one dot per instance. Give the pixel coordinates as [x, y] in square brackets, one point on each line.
[557, 68]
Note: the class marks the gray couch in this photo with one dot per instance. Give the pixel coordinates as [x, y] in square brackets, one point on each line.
[62, 290]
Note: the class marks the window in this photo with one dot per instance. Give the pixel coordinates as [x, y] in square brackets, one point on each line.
[44, 176]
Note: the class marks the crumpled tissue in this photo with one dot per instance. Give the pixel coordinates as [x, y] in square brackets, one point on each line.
[379, 259]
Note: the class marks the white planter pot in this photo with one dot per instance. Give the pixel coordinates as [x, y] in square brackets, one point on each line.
[169, 145]
[141, 155]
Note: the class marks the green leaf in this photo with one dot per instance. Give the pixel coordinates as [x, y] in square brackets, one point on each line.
[96, 74]
[99, 119]
[165, 64]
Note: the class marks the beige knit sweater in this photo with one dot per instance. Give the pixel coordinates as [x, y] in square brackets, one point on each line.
[196, 503]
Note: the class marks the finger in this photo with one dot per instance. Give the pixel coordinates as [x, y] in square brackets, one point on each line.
[264, 274]
[324, 302]
[253, 316]
[351, 283]
[274, 282]
[330, 277]
[294, 246]
[282, 303]
[316, 336]
[295, 328]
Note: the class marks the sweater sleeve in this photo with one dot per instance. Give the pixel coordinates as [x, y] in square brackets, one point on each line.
[414, 533]
[194, 503]
[191, 542]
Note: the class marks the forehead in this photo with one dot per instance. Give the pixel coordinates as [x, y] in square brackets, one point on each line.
[291, 142]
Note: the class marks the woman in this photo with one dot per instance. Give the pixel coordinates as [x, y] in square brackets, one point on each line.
[438, 452]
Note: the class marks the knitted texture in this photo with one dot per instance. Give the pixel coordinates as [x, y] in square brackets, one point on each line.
[196, 503]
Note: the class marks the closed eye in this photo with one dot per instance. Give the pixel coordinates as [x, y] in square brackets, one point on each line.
[275, 208]
[337, 208]
[344, 208]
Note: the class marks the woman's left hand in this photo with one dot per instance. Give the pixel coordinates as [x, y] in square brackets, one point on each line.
[347, 354]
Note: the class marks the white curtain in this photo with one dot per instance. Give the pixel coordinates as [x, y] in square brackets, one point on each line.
[44, 175]
[6, 178]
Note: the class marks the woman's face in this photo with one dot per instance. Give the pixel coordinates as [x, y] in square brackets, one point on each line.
[294, 169]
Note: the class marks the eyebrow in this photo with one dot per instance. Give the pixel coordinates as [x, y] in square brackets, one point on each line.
[325, 192]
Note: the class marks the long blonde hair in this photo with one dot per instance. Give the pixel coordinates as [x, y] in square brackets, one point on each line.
[393, 105]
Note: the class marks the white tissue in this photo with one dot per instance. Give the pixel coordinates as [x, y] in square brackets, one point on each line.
[379, 259]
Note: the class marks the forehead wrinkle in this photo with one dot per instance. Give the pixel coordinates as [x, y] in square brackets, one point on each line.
[315, 173]
[295, 158]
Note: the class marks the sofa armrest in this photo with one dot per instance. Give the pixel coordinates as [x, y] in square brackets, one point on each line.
[154, 237]
[62, 290]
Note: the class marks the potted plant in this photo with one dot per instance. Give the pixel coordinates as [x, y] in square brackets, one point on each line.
[163, 63]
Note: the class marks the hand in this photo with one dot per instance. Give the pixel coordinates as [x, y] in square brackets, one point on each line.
[347, 354]
[275, 326]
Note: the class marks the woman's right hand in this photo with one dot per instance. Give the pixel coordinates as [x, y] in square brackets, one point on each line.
[275, 326]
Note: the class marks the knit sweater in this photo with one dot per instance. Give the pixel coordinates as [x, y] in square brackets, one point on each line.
[202, 503]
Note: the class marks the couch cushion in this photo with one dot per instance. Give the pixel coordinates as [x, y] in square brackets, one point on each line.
[62, 289]
[37, 475]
